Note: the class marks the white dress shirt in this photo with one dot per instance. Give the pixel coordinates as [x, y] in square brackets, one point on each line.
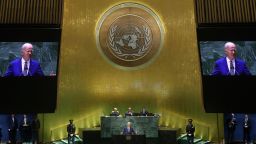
[228, 62]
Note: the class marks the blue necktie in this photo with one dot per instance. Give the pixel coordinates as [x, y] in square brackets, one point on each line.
[25, 72]
[232, 69]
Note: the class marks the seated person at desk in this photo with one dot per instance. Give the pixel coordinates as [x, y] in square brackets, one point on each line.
[114, 112]
[144, 112]
[128, 130]
[129, 112]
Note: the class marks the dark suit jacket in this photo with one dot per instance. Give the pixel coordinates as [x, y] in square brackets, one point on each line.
[248, 125]
[71, 129]
[35, 125]
[13, 125]
[221, 67]
[15, 68]
[25, 130]
[231, 124]
[143, 113]
[114, 113]
[22, 122]
[129, 113]
[190, 129]
[126, 132]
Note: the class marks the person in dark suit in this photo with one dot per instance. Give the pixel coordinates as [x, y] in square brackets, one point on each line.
[128, 130]
[24, 66]
[230, 65]
[143, 112]
[246, 129]
[71, 129]
[115, 112]
[190, 130]
[129, 112]
[12, 130]
[35, 126]
[231, 125]
[25, 129]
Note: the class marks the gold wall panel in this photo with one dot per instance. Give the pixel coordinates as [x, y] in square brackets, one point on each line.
[89, 86]
[31, 11]
[225, 11]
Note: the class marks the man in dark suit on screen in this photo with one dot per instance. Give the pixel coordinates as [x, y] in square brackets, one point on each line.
[24, 66]
[230, 65]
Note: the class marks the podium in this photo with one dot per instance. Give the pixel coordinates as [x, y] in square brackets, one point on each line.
[128, 139]
[143, 125]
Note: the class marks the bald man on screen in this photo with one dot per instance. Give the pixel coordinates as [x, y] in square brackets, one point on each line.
[230, 65]
[24, 66]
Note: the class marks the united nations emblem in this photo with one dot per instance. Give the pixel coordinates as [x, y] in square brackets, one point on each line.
[129, 34]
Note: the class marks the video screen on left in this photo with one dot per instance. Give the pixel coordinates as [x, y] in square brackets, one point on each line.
[29, 62]
[28, 58]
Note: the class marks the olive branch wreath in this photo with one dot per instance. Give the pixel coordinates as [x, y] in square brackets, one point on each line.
[142, 51]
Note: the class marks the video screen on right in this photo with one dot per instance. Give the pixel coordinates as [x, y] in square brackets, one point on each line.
[227, 58]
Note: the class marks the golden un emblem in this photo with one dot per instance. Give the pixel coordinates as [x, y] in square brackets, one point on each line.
[129, 34]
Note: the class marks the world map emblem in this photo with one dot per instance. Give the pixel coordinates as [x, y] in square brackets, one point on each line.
[129, 34]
